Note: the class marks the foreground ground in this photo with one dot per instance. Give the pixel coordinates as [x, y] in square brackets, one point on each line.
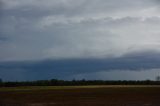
[81, 96]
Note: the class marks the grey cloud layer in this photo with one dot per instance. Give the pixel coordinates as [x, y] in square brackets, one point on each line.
[78, 38]
[136, 65]
[40, 29]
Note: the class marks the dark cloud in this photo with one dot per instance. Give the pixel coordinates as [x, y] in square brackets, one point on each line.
[2, 39]
[77, 36]
[63, 68]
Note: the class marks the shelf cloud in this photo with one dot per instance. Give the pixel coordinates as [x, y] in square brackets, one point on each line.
[84, 30]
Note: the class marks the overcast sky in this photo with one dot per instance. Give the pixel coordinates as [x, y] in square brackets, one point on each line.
[38, 31]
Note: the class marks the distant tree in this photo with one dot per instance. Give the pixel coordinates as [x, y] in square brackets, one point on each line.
[158, 78]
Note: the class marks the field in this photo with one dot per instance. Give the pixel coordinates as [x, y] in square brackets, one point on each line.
[81, 96]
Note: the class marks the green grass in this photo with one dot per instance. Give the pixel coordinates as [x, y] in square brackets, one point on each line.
[27, 88]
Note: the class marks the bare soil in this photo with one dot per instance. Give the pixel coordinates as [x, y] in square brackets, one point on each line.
[98, 96]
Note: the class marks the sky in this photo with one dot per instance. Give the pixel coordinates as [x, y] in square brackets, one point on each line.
[79, 39]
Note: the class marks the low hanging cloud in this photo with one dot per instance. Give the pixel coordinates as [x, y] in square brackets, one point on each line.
[130, 65]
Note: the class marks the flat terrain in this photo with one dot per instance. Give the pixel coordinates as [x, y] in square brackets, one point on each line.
[81, 96]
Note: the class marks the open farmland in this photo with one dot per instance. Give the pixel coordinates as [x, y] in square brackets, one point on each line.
[81, 96]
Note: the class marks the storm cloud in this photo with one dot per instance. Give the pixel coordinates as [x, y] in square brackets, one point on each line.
[84, 35]
[79, 68]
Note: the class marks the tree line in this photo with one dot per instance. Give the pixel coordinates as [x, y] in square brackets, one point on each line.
[56, 82]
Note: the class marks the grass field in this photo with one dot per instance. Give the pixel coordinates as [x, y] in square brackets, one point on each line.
[81, 96]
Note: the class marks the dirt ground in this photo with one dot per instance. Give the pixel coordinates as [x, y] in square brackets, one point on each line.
[98, 96]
